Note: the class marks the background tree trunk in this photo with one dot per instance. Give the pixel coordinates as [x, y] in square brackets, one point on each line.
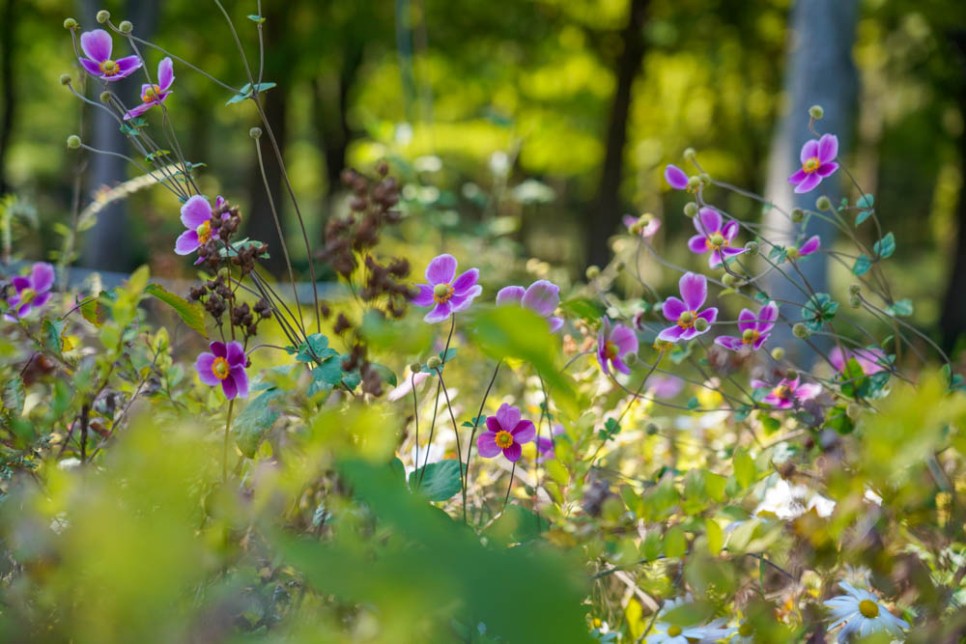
[819, 71]
[603, 220]
[8, 95]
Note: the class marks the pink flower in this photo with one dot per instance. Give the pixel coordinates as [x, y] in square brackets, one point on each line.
[676, 177]
[225, 366]
[715, 237]
[613, 344]
[30, 292]
[545, 444]
[817, 163]
[787, 393]
[152, 95]
[542, 297]
[685, 314]
[97, 46]
[196, 216]
[445, 292]
[646, 225]
[754, 329]
[871, 360]
[812, 245]
[506, 432]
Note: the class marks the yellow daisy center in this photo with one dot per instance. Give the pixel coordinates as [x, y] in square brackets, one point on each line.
[686, 319]
[442, 293]
[504, 439]
[204, 233]
[150, 94]
[110, 68]
[869, 609]
[811, 165]
[220, 368]
[674, 630]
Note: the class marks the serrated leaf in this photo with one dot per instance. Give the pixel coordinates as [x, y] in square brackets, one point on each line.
[94, 311]
[191, 313]
[251, 426]
[315, 348]
[326, 376]
[51, 335]
[14, 395]
[861, 266]
[437, 481]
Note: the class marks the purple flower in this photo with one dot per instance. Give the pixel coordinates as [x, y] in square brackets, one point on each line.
[812, 245]
[444, 293]
[613, 344]
[787, 393]
[545, 444]
[152, 95]
[754, 330]
[713, 236]
[676, 177]
[646, 225]
[817, 163]
[685, 314]
[505, 432]
[542, 296]
[31, 292]
[97, 46]
[871, 361]
[662, 386]
[196, 216]
[224, 366]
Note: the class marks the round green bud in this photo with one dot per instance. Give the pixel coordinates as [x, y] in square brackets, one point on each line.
[636, 228]
[778, 354]
[105, 97]
[854, 289]
[651, 429]
[816, 112]
[65, 79]
[801, 331]
[705, 178]
[691, 209]
[694, 183]
[73, 141]
[593, 272]
[716, 240]
[103, 16]
[434, 362]
[855, 301]
[415, 367]
[689, 154]
[630, 359]
[752, 248]
[729, 280]
[701, 325]
[853, 411]
[823, 203]
[125, 27]
[70, 23]
[798, 215]
[255, 132]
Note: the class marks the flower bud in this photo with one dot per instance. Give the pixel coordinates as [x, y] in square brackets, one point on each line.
[651, 429]
[801, 331]
[415, 367]
[434, 362]
[103, 16]
[65, 79]
[630, 359]
[70, 23]
[823, 203]
[752, 248]
[701, 325]
[255, 132]
[73, 141]
[125, 27]
[663, 345]
[797, 215]
[593, 272]
[705, 178]
[816, 112]
[691, 209]
[855, 301]
[689, 154]
[854, 289]
[778, 354]
[105, 97]
[729, 280]
[853, 411]
[694, 183]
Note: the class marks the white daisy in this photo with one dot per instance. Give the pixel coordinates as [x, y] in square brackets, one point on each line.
[665, 633]
[862, 614]
[788, 502]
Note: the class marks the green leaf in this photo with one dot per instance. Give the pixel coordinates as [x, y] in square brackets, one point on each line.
[862, 265]
[901, 308]
[744, 466]
[440, 480]
[865, 201]
[257, 19]
[14, 395]
[885, 247]
[819, 309]
[675, 542]
[51, 336]
[584, 308]
[326, 376]
[715, 536]
[94, 311]
[191, 313]
[315, 348]
[251, 426]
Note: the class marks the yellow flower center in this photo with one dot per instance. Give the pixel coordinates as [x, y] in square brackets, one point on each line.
[504, 439]
[716, 241]
[782, 392]
[204, 233]
[686, 319]
[811, 165]
[110, 68]
[150, 94]
[674, 630]
[220, 368]
[750, 336]
[869, 609]
[791, 252]
[442, 293]
[611, 350]
[27, 295]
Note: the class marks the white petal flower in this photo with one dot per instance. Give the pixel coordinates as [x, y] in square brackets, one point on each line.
[787, 501]
[860, 613]
[664, 633]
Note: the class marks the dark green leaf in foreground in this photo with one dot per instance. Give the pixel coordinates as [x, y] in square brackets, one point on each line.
[439, 482]
[256, 419]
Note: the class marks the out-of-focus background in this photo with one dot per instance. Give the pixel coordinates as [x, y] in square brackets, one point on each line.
[533, 124]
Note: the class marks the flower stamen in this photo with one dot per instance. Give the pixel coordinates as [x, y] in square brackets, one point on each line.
[110, 68]
[503, 439]
[442, 293]
[220, 368]
[869, 609]
[811, 165]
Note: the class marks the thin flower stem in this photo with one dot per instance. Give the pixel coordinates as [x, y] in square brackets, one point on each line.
[224, 463]
[416, 419]
[456, 429]
[509, 486]
[476, 424]
[432, 430]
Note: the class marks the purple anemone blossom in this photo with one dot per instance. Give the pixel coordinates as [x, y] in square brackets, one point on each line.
[505, 432]
[445, 292]
[754, 329]
[225, 366]
[817, 163]
[613, 344]
[152, 95]
[31, 291]
[196, 217]
[686, 312]
[97, 46]
[787, 393]
[646, 225]
[811, 246]
[871, 361]
[714, 235]
[546, 444]
[542, 297]
[676, 177]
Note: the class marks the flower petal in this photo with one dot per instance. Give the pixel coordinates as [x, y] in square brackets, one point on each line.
[493, 424]
[827, 169]
[466, 281]
[235, 353]
[91, 67]
[20, 282]
[195, 212]
[710, 315]
[40, 300]
[729, 342]
[694, 290]
[676, 177]
[523, 432]
[828, 148]
[186, 243]
[137, 111]
[441, 270]
[203, 367]
[813, 244]
[424, 297]
[126, 66]
[508, 416]
[809, 184]
[747, 320]
[698, 244]
[797, 177]
[619, 365]
[543, 297]
[555, 323]
[673, 308]
[240, 378]
[671, 334]
[165, 74]
[462, 301]
[513, 452]
[625, 339]
[837, 357]
[809, 150]
[510, 295]
[42, 276]
[230, 388]
[439, 313]
[219, 349]
[710, 220]
[730, 230]
[808, 391]
[486, 444]
[97, 45]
